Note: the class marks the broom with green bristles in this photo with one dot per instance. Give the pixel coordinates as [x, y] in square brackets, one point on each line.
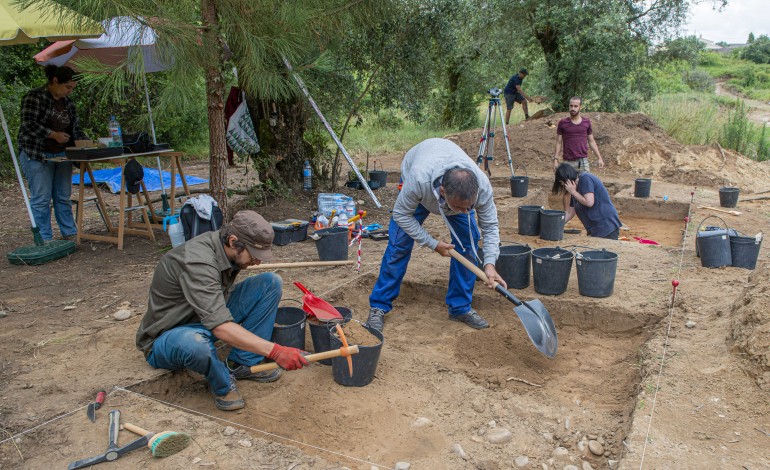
[163, 443]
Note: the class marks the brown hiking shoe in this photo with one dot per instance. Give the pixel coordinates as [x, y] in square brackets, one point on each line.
[230, 402]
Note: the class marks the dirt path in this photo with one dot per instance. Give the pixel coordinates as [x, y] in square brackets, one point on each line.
[759, 111]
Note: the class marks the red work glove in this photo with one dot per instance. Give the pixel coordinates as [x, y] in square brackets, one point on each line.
[288, 358]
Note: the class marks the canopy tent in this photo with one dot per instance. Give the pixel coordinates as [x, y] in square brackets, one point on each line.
[125, 41]
[26, 26]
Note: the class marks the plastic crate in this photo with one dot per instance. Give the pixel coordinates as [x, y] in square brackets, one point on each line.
[289, 231]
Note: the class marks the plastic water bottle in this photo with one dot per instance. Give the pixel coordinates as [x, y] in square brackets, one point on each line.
[350, 208]
[175, 230]
[116, 133]
[342, 221]
[307, 175]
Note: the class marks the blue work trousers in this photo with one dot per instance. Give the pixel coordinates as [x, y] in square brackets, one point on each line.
[253, 304]
[399, 251]
[50, 181]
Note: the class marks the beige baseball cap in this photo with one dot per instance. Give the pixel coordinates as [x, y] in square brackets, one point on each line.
[255, 232]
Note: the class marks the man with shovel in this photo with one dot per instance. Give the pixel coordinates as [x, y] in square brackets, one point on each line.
[194, 302]
[439, 178]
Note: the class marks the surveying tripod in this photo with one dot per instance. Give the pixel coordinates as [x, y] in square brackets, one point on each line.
[487, 142]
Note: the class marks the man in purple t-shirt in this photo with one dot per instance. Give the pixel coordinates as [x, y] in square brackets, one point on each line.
[573, 136]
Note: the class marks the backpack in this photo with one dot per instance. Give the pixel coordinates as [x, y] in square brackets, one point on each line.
[194, 225]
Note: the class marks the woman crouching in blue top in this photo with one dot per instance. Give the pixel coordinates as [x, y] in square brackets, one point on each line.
[584, 195]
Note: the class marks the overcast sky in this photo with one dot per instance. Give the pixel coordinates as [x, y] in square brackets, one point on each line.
[733, 24]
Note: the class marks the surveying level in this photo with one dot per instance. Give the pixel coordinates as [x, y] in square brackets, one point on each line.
[487, 142]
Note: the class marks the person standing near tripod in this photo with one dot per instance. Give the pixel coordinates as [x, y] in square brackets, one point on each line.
[514, 94]
[573, 136]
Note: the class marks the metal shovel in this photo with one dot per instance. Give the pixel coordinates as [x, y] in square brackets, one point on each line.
[533, 314]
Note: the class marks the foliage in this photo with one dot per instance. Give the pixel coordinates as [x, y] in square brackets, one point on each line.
[699, 80]
[758, 51]
[687, 49]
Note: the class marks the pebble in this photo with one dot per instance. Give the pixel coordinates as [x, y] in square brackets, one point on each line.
[374, 467]
[595, 448]
[121, 315]
[478, 406]
[421, 422]
[245, 442]
[570, 467]
[402, 466]
[567, 423]
[196, 460]
[521, 461]
[548, 436]
[499, 436]
[459, 451]
[481, 432]
[587, 466]
[582, 447]
[492, 424]
[69, 307]
[3, 313]
[612, 463]
[560, 452]
[690, 324]
[229, 431]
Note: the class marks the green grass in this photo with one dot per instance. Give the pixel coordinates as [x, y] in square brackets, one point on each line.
[701, 119]
[745, 77]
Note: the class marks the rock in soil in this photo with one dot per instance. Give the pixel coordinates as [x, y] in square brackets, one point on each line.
[499, 436]
[595, 448]
[521, 461]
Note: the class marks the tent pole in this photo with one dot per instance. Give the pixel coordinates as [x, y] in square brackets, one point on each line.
[16, 166]
[164, 196]
[331, 132]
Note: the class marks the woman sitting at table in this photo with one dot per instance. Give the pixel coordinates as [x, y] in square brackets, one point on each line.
[48, 125]
[586, 197]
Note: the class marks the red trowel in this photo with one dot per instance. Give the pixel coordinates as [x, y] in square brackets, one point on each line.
[317, 307]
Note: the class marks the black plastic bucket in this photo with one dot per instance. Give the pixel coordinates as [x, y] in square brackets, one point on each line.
[596, 272]
[289, 327]
[513, 265]
[744, 251]
[364, 363]
[529, 220]
[519, 185]
[551, 224]
[642, 187]
[319, 332]
[378, 177]
[713, 246]
[728, 197]
[550, 270]
[333, 245]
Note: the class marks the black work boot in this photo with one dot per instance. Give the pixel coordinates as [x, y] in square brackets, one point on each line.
[472, 319]
[376, 319]
[230, 402]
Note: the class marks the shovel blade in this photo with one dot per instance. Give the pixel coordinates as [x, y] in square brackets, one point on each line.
[539, 326]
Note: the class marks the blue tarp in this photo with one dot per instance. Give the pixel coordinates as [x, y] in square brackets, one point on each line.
[111, 177]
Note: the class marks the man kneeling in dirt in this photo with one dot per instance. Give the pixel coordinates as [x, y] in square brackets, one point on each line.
[440, 178]
[194, 301]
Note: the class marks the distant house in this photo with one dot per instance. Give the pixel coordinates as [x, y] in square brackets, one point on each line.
[722, 49]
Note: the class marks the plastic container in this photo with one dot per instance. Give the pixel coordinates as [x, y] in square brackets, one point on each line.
[333, 244]
[320, 332]
[529, 220]
[713, 246]
[175, 230]
[350, 208]
[550, 270]
[596, 272]
[328, 202]
[116, 133]
[364, 363]
[520, 185]
[307, 177]
[378, 178]
[728, 197]
[513, 265]
[642, 187]
[289, 231]
[289, 327]
[744, 250]
[552, 224]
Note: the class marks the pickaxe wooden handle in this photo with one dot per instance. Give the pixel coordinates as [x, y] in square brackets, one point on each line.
[303, 264]
[343, 351]
[720, 210]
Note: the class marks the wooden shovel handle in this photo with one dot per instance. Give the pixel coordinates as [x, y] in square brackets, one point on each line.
[304, 264]
[311, 358]
[720, 210]
[470, 265]
[136, 429]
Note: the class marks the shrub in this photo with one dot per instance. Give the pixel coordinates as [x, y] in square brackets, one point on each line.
[699, 80]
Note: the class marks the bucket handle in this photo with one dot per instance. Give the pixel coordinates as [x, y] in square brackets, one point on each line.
[709, 217]
[514, 243]
[526, 174]
[580, 255]
[374, 165]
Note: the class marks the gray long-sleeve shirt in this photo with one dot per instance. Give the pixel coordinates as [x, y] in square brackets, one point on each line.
[422, 165]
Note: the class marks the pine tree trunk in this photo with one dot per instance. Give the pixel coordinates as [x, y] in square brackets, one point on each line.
[215, 101]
